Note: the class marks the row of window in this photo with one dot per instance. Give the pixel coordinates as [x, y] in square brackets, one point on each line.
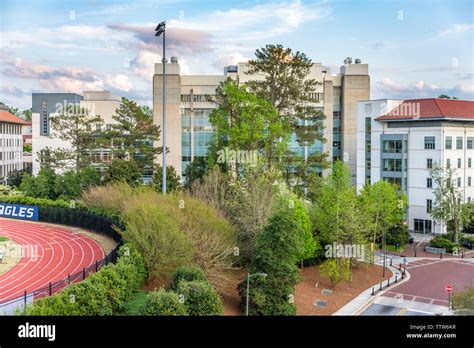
[10, 155]
[10, 142]
[7, 168]
[429, 182]
[197, 98]
[430, 143]
[8, 128]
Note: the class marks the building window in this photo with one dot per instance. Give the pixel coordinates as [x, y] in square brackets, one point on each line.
[429, 182]
[429, 205]
[429, 163]
[448, 163]
[422, 226]
[470, 143]
[430, 143]
[44, 118]
[392, 165]
[448, 145]
[459, 182]
[459, 143]
[459, 163]
[468, 181]
[469, 162]
[392, 146]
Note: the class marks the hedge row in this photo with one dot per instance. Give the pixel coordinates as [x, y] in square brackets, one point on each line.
[102, 293]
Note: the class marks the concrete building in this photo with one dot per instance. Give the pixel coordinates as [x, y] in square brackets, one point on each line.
[27, 133]
[399, 141]
[187, 109]
[45, 105]
[11, 143]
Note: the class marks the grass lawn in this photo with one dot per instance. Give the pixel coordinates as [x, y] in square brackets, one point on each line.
[3, 239]
[394, 248]
[135, 304]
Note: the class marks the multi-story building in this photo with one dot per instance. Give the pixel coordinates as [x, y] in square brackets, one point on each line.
[11, 143]
[45, 105]
[27, 132]
[188, 130]
[399, 141]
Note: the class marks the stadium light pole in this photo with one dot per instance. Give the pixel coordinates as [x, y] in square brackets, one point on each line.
[161, 29]
[248, 287]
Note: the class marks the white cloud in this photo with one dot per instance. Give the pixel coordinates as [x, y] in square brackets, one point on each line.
[119, 81]
[455, 30]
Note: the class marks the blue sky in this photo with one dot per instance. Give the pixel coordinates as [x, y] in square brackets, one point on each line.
[414, 49]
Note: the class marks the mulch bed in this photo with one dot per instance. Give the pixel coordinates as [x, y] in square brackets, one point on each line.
[363, 276]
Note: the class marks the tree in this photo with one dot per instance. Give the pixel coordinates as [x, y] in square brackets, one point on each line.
[196, 170]
[163, 303]
[243, 121]
[123, 170]
[200, 298]
[41, 186]
[15, 177]
[286, 84]
[445, 96]
[335, 271]
[173, 181]
[134, 135]
[276, 252]
[449, 206]
[26, 114]
[75, 128]
[335, 213]
[383, 208]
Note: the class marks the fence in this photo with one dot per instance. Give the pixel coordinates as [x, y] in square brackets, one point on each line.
[75, 218]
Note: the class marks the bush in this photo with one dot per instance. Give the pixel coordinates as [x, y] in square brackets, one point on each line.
[163, 303]
[187, 273]
[463, 302]
[102, 293]
[398, 234]
[200, 298]
[443, 242]
[336, 270]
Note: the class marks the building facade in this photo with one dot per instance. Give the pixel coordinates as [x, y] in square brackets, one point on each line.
[188, 130]
[45, 105]
[11, 143]
[399, 141]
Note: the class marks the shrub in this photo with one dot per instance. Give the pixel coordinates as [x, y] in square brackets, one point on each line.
[200, 298]
[398, 234]
[187, 273]
[463, 302]
[163, 303]
[443, 242]
[336, 270]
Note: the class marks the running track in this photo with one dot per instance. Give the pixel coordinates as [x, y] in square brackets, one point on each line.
[57, 253]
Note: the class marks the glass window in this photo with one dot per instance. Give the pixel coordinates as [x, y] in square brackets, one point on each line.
[430, 143]
[458, 143]
[459, 163]
[429, 205]
[429, 182]
[470, 143]
[429, 163]
[448, 143]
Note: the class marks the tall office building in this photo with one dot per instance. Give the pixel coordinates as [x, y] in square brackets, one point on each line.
[399, 141]
[187, 109]
[11, 143]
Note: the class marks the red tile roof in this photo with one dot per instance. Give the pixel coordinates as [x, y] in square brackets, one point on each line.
[7, 117]
[433, 108]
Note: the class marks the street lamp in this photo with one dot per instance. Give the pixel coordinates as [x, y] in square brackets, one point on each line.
[248, 287]
[161, 29]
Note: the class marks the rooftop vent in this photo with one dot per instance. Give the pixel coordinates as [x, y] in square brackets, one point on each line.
[174, 59]
[358, 61]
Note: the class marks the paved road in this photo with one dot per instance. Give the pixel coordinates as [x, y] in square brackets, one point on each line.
[379, 309]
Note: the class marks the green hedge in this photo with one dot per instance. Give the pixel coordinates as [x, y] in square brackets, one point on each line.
[187, 273]
[200, 298]
[101, 293]
[443, 242]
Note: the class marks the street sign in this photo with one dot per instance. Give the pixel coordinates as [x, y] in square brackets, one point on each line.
[449, 288]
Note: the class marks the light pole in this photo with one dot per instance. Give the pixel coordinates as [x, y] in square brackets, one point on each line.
[161, 29]
[248, 287]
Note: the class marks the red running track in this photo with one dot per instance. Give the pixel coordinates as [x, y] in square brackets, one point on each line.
[49, 254]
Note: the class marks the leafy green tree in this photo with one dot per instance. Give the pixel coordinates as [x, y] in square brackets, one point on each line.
[134, 135]
[288, 86]
[173, 181]
[445, 96]
[41, 186]
[15, 177]
[188, 274]
[26, 114]
[449, 206]
[335, 213]
[196, 170]
[277, 250]
[123, 170]
[336, 271]
[383, 208]
[75, 128]
[243, 121]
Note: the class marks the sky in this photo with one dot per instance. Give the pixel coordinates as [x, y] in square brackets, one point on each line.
[415, 49]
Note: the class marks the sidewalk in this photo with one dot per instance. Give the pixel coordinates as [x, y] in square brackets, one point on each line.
[362, 301]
